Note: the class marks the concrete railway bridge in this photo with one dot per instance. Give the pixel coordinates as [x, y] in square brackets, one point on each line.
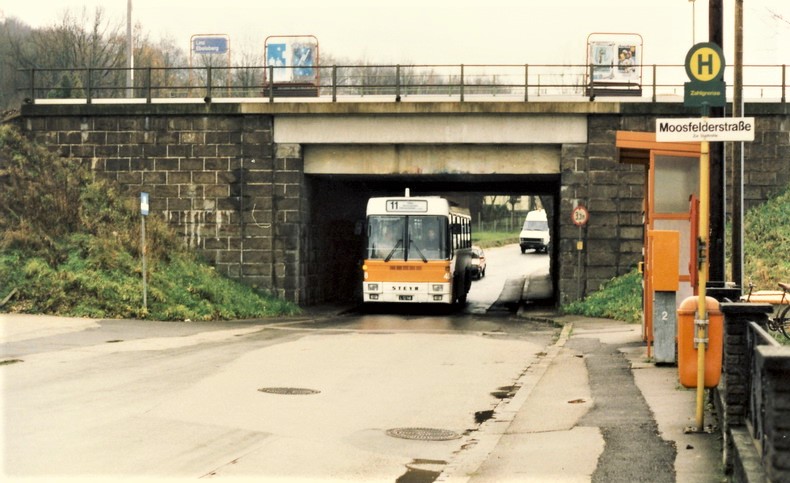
[274, 193]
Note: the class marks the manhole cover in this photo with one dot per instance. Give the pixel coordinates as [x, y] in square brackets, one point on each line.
[423, 434]
[291, 391]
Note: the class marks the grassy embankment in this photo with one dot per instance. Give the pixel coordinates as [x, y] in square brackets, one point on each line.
[766, 248]
[70, 246]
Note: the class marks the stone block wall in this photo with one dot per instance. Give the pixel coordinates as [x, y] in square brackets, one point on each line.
[612, 193]
[217, 179]
[766, 160]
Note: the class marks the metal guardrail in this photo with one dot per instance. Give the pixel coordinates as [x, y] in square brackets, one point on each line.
[526, 82]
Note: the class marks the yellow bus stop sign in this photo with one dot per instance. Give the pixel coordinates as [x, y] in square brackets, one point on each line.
[705, 69]
[705, 63]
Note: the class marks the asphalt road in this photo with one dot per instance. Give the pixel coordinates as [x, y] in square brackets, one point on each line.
[356, 397]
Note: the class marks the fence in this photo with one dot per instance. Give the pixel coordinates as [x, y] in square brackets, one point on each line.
[452, 82]
[754, 396]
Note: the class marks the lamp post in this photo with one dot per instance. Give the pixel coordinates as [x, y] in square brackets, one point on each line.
[693, 21]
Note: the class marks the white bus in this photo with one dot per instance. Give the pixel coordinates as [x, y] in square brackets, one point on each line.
[418, 251]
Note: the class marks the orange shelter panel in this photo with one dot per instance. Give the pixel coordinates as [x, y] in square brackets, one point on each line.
[665, 258]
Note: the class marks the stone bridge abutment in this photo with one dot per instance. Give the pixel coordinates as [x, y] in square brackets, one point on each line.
[272, 193]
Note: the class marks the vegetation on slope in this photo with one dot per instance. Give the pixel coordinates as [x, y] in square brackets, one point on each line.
[70, 245]
[766, 249]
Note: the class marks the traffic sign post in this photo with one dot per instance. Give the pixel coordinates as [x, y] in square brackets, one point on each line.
[143, 214]
[579, 216]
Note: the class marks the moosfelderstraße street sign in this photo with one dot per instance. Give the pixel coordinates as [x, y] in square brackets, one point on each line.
[705, 129]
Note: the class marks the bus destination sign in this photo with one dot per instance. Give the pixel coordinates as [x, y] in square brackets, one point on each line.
[407, 206]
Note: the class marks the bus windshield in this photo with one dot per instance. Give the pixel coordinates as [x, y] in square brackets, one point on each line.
[392, 237]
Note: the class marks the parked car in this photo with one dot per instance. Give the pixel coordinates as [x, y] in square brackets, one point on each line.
[478, 263]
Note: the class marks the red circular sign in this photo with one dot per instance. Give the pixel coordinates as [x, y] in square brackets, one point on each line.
[580, 215]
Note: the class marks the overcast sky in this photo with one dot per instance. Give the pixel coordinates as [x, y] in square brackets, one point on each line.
[444, 32]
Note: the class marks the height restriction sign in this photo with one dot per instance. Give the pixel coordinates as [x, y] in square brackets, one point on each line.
[580, 215]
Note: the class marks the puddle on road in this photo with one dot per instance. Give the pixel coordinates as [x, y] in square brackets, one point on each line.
[422, 471]
[483, 416]
[505, 392]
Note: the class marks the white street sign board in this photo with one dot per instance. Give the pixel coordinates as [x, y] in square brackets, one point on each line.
[705, 129]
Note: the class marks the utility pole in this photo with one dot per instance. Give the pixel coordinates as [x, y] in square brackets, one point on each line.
[737, 158]
[717, 174]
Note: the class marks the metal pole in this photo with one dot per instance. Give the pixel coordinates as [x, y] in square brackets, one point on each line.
[701, 321]
[579, 266]
[129, 51]
[143, 248]
[462, 82]
[526, 82]
[737, 178]
[148, 85]
[718, 181]
[655, 83]
[334, 83]
[397, 83]
[271, 83]
[89, 93]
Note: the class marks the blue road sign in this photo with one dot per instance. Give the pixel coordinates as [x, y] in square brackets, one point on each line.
[210, 45]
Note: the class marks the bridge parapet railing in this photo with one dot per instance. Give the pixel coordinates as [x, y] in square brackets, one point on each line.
[456, 82]
[755, 395]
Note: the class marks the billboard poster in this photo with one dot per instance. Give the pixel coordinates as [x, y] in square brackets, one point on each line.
[602, 60]
[303, 61]
[297, 54]
[615, 60]
[627, 62]
[275, 56]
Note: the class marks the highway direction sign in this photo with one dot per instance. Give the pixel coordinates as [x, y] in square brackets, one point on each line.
[705, 129]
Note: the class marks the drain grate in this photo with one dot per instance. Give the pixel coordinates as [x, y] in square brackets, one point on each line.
[423, 434]
[289, 391]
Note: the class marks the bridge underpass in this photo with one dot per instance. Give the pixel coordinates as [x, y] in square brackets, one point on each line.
[246, 183]
[334, 234]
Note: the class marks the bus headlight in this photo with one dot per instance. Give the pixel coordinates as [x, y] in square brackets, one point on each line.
[437, 287]
[373, 287]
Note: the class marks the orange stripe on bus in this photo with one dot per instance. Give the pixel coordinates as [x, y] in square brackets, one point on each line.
[416, 271]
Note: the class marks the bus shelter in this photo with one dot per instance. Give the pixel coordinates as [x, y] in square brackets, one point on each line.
[670, 219]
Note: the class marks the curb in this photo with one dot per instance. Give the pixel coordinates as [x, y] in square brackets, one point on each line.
[477, 446]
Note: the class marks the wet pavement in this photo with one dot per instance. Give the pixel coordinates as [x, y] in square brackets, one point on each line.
[594, 409]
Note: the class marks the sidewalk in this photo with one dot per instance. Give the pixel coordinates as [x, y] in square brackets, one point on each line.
[545, 432]
[16, 327]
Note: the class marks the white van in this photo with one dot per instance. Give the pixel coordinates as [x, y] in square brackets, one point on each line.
[535, 232]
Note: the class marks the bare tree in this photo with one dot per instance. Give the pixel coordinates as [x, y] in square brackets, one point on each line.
[68, 49]
[14, 35]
